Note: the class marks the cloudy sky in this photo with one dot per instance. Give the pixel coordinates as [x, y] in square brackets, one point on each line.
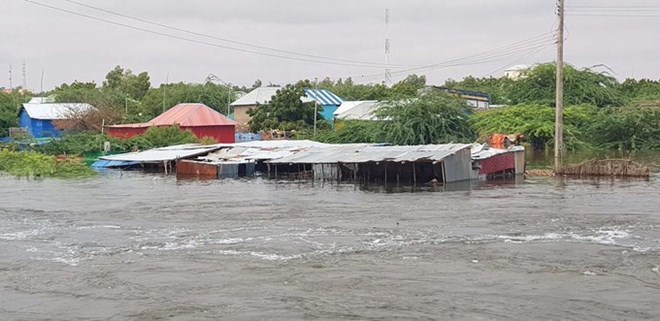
[240, 41]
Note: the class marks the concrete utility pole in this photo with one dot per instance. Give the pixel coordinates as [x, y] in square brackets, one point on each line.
[559, 99]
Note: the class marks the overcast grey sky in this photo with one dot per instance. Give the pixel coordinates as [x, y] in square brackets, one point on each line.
[69, 47]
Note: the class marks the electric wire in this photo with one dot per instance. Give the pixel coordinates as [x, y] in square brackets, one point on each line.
[197, 41]
[230, 40]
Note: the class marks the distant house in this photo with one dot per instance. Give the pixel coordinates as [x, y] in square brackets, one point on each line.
[328, 101]
[42, 100]
[357, 110]
[515, 72]
[38, 118]
[258, 96]
[200, 119]
[474, 99]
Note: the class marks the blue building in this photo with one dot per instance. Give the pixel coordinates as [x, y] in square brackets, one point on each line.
[38, 118]
[329, 101]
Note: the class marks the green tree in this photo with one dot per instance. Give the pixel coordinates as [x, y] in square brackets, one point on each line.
[626, 128]
[497, 88]
[409, 86]
[286, 111]
[537, 123]
[581, 86]
[431, 118]
[123, 80]
[10, 105]
[167, 96]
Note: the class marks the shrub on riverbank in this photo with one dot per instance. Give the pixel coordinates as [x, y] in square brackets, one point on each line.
[90, 142]
[34, 164]
[626, 128]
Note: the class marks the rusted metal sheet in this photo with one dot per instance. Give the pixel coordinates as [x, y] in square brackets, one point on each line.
[186, 168]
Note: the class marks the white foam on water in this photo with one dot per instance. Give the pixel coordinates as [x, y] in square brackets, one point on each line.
[603, 236]
[90, 227]
[230, 241]
[261, 255]
[171, 246]
[21, 235]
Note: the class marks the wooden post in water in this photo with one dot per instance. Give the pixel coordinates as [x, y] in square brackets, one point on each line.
[414, 175]
[559, 97]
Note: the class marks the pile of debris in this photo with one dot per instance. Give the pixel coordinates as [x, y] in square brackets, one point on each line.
[608, 167]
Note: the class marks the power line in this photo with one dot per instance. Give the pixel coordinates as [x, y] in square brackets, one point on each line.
[485, 56]
[225, 39]
[612, 7]
[520, 59]
[613, 15]
[199, 41]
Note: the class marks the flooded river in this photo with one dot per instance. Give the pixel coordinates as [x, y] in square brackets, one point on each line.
[143, 247]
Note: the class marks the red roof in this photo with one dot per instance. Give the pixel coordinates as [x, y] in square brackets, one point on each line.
[187, 115]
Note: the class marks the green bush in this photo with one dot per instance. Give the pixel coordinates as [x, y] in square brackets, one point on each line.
[626, 128]
[91, 142]
[433, 118]
[353, 131]
[34, 164]
[537, 123]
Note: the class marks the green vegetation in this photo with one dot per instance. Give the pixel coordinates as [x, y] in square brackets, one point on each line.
[536, 122]
[627, 128]
[90, 142]
[286, 112]
[34, 164]
[601, 112]
[10, 105]
[166, 96]
[537, 86]
[432, 118]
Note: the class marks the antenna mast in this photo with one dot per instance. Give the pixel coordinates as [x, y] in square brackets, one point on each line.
[24, 72]
[11, 85]
[388, 74]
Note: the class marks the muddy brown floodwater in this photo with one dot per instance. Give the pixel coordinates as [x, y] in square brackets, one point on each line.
[144, 247]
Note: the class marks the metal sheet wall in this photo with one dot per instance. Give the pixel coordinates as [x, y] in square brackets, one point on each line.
[458, 166]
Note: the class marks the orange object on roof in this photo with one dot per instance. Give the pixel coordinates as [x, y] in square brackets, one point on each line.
[498, 141]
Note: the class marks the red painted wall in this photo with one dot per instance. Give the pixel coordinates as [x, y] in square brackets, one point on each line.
[126, 132]
[221, 133]
[498, 163]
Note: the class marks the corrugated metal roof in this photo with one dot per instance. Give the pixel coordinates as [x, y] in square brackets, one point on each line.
[324, 97]
[169, 153]
[261, 95]
[55, 111]
[273, 144]
[102, 163]
[357, 110]
[483, 151]
[361, 153]
[186, 115]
